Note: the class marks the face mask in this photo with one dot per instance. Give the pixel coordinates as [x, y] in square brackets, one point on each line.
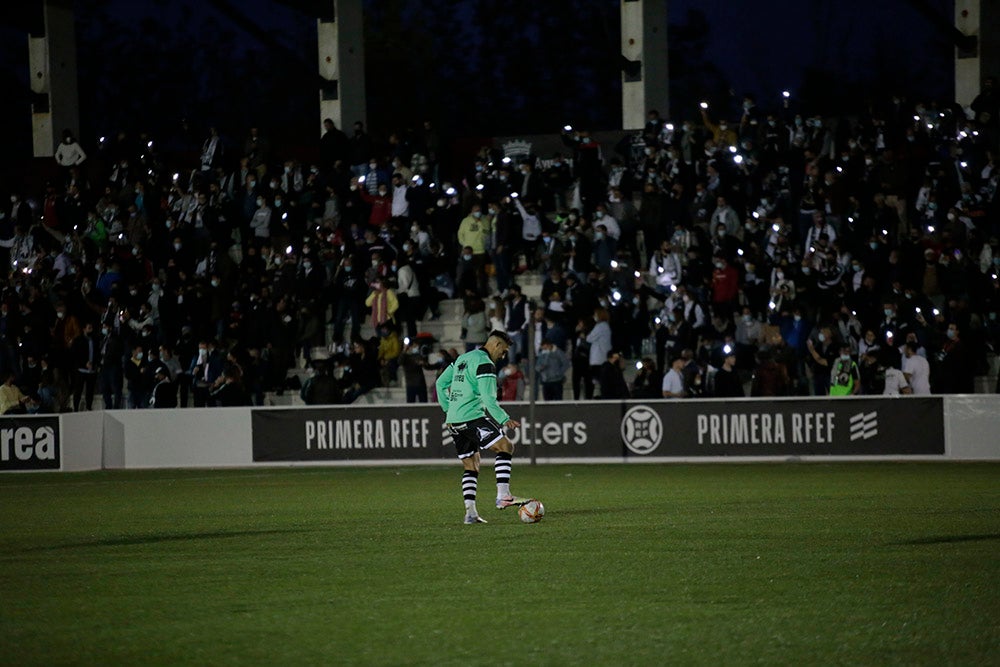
[60, 314]
[845, 357]
[747, 319]
[139, 356]
[806, 270]
[855, 267]
[599, 215]
[253, 184]
[720, 233]
[822, 338]
[105, 331]
[467, 257]
[598, 236]
[372, 166]
[477, 214]
[260, 202]
[888, 312]
[950, 333]
[215, 283]
[873, 245]
[382, 193]
[797, 318]
[441, 203]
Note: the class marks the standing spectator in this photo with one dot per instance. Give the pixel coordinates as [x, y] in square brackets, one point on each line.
[516, 322]
[916, 370]
[551, 367]
[414, 363]
[69, 154]
[85, 352]
[599, 339]
[164, 393]
[727, 379]
[673, 381]
[407, 292]
[136, 379]
[383, 303]
[111, 370]
[845, 377]
[612, 378]
[475, 327]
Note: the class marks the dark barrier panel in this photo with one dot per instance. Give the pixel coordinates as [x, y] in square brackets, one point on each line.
[417, 432]
[30, 443]
[794, 427]
[836, 427]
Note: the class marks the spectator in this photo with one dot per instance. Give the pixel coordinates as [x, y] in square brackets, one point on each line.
[164, 392]
[12, 400]
[414, 362]
[321, 387]
[475, 327]
[727, 380]
[383, 303]
[845, 377]
[551, 365]
[916, 371]
[599, 340]
[673, 380]
[136, 380]
[612, 377]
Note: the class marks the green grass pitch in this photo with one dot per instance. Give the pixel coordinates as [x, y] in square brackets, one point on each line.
[871, 563]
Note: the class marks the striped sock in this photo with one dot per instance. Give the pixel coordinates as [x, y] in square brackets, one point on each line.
[470, 479]
[502, 469]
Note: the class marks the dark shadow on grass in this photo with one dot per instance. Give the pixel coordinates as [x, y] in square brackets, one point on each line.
[947, 539]
[158, 538]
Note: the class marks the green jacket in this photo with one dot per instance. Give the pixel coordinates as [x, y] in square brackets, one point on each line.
[467, 389]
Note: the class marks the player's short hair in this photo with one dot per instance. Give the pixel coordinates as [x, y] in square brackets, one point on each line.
[501, 336]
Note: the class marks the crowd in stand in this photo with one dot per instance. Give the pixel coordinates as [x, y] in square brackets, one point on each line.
[756, 251]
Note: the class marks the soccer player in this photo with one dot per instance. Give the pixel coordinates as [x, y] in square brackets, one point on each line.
[467, 392]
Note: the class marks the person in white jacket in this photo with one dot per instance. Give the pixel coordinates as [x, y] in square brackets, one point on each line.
[70, 153]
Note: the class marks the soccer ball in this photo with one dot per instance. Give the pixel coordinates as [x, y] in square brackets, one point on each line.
[531, 511]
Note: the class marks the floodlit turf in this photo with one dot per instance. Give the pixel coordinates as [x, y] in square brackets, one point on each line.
[716, 564]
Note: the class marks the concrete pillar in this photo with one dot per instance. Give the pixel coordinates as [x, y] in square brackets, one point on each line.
[52, 64]
[645, 82]
[342, 64]
[972, 65]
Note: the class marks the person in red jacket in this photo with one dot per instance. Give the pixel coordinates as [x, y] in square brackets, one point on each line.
[381, 203]
[725, 286]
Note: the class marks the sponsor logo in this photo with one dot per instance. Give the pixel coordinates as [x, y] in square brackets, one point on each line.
[864, 425]
[366, 433]
[766, 428]
[28, 447]
[517, 148]
[641, 430]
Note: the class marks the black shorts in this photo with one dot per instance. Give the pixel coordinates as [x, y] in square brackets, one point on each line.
[471, 436]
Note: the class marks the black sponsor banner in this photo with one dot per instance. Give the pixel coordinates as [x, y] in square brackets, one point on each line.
[417, 432]
[795, 427]
[792, 427]
[30, 443]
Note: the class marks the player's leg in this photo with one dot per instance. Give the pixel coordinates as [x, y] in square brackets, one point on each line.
[470, 481]
[504, 450]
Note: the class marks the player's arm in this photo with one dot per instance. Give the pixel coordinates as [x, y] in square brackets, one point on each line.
[486, 379]
[443, 384]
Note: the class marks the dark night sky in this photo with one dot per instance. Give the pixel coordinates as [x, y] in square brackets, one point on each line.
[851, 47]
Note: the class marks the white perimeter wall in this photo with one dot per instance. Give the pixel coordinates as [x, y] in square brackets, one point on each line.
[220, 437]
